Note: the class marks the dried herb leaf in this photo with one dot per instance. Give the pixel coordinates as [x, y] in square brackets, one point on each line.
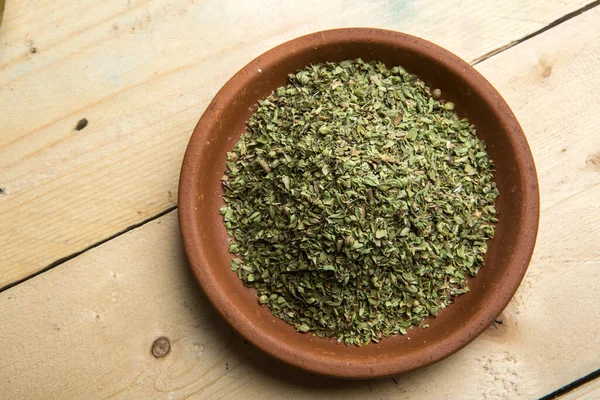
[357, 202]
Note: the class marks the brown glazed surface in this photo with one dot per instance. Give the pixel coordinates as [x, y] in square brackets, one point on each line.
[509, 252]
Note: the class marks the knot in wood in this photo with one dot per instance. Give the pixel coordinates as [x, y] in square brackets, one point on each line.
[161, 347]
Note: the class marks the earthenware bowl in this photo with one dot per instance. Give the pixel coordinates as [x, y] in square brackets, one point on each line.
[509, 252]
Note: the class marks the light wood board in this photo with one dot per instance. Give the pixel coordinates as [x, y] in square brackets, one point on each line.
[142, 72]
[85, 328]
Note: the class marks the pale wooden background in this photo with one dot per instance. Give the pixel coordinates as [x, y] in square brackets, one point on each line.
[141, 72]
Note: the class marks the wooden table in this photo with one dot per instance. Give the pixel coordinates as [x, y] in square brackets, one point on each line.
[97, 102]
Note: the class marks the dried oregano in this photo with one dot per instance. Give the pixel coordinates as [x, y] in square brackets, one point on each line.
[357, 201]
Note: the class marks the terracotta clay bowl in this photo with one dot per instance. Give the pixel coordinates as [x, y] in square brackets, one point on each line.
[509, 252]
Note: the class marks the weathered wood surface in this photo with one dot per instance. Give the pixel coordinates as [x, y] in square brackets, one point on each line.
[85, 328]
[141, 72]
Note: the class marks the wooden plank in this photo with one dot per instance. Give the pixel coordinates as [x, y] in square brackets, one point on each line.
[141, 72]
[85, 328]
[589, 391]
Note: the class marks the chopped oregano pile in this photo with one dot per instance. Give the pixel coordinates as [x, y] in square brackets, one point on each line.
[357, 202]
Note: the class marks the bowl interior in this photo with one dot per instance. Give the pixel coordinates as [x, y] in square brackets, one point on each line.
[509, 252]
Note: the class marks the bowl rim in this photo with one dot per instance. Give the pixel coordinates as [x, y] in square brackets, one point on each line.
[189, 217]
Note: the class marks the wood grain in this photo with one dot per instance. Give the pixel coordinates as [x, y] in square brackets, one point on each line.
[85, 328]
[141, 72]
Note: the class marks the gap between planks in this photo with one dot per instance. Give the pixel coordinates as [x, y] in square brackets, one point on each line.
[573, 386]
[551, 25]
[99, 243]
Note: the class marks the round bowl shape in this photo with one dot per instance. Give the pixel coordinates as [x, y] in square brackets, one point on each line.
[508, 255]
